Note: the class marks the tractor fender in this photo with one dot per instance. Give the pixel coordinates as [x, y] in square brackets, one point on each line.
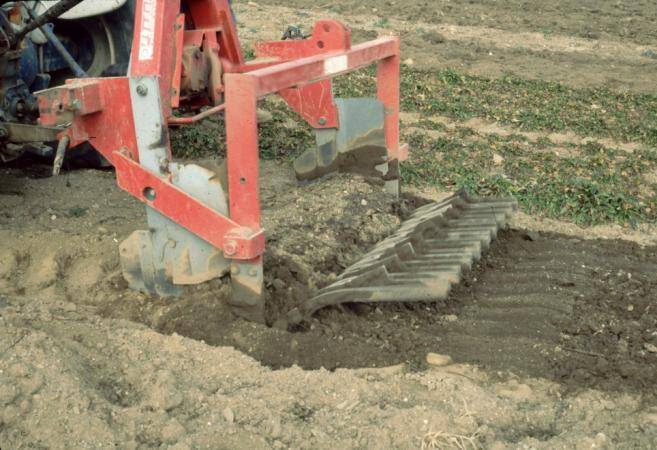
[88, 8]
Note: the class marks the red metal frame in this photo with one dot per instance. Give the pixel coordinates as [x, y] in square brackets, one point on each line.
[299, 71]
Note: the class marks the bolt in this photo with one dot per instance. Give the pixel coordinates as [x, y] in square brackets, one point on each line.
[230, 248]
[164, 165]
[235, 269]
[142, 90]
[253, 272]
[322, 121]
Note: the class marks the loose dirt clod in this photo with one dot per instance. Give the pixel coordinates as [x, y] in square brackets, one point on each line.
[435, 359]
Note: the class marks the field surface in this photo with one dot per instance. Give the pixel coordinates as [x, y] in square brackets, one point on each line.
[552, 337]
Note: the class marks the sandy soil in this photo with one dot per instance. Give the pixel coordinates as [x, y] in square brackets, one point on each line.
[551, 341]
[568, 42]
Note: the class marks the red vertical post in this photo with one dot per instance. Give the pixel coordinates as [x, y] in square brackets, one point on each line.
[242, 157]
[242, 160]
[387, 84]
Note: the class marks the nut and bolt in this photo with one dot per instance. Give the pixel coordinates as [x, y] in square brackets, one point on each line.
[142, 90]
[235, 269]
[253, 272]
[322, 121]
[230, 248]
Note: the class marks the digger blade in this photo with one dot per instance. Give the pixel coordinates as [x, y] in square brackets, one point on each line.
[357, 146]
[166, 256]
[422, 260]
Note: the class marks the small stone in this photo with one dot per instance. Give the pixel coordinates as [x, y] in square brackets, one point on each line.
[514, 391]
[652, 348]
[172, 431]
[409, 62]
[630, 308]
[531, 235]
[438, 360]
[53, 217]
[164, 393]
[363, 202]
[601, 440]
[450, 318]
[229, 415]
[498, 160]
[102, 230]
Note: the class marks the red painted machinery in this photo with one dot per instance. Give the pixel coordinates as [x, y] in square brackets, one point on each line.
[187, 54]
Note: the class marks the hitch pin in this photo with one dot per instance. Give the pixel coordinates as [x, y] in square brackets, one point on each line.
[62, 146]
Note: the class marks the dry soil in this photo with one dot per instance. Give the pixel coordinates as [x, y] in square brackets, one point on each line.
[552, 337]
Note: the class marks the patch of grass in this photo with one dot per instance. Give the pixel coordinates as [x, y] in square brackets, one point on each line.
[284, 136]
[528, 104]
[383, 22]
[205, 138]
[600, 185]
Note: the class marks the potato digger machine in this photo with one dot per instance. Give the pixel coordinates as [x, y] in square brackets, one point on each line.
[204, 224]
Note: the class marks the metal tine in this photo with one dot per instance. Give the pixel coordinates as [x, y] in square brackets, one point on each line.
[453, 276]
[436, 205]
[441, 244]
[486, 216]
[390, 263]
[436, 289]
[491, 205]
[422, 259]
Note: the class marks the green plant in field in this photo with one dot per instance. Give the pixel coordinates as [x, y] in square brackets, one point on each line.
[597, 186]
[526, 104]
[285, 136]
[383, 22]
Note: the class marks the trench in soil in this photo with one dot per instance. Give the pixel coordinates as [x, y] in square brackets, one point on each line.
[580, 312]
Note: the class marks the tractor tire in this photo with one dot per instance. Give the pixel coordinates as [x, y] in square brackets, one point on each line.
[111, 34]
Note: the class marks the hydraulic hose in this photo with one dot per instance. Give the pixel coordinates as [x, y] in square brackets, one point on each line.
[50, 14]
